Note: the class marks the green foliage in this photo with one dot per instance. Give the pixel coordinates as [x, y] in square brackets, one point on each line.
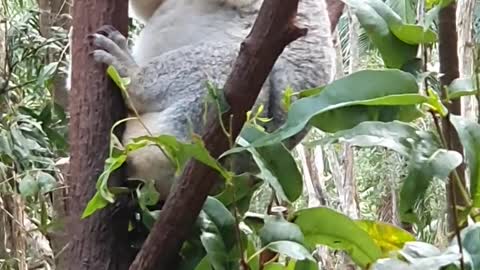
[469, 133]
[178, 153]
[327, 227]
[218, 234]
[396, 41]
[420, 255]
[427, 159]
[351, 100]
[33, 129]
[388, 237]
[277, 167]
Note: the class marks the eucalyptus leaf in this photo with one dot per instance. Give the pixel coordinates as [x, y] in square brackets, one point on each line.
[469, 134]
[291, 249]
[388, 237]
[218, 231]
[276, 164]
[28, 186]
[46, 182]
[426, 158]
[276, 228]
[324, 226]
[470, 242]
[377, 19]
[369, 88]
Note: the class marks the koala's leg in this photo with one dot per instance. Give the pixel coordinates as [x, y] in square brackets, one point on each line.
[113, 50]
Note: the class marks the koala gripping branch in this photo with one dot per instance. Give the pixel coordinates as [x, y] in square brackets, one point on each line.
[273, 30]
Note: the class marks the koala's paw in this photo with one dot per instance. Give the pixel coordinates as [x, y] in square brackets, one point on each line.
[112, 49]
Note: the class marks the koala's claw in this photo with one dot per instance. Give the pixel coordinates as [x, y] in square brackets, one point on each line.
[112, 50]
[106, 29]
[113, 34]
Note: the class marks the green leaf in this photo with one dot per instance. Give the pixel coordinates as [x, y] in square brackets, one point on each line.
[462, 87]
[252, 255]
[369, 88]
[426, 158]
[218, 234]
[291, 249]
[180, 153]
[406, 9]
[28, 186]
[397, 136]
[122, 83]
[204, 265]
[5, 144]
[276, 228]
[377, 19]
[223, 220]
[46, 182]
[149, 217]
[413, 34]
[425, 256]
[470, 241]
[391, 264]
[348, 117]
[276, 164]
[324, 226]
[241, 188]
[386, 236]
[305, 265]
[95, 204]
[423, 168]
[469, 134]
[111, 164]
[148, 195]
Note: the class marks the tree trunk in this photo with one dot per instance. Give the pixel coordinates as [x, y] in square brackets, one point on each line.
[311, 177]
[449, 69]
[465, 50]
[99, 242]
[349, 183]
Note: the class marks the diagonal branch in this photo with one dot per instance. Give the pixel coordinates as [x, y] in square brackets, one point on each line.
[335, 11]
[273, 30]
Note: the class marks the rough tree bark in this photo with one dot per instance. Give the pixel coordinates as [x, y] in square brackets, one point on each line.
[449, 69]
[335, 10]
[273, 30]
[100, 241]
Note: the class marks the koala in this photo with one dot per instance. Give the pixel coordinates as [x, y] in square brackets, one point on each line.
[186, 43]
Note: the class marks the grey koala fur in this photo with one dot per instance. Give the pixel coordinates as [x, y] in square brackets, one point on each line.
[186, 43]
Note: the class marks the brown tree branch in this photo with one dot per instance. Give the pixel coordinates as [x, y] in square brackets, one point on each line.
[448, 56]
[335, 11]
[100, 241]
[273, 30]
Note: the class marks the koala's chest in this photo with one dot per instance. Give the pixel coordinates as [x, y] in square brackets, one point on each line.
[163, 36]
